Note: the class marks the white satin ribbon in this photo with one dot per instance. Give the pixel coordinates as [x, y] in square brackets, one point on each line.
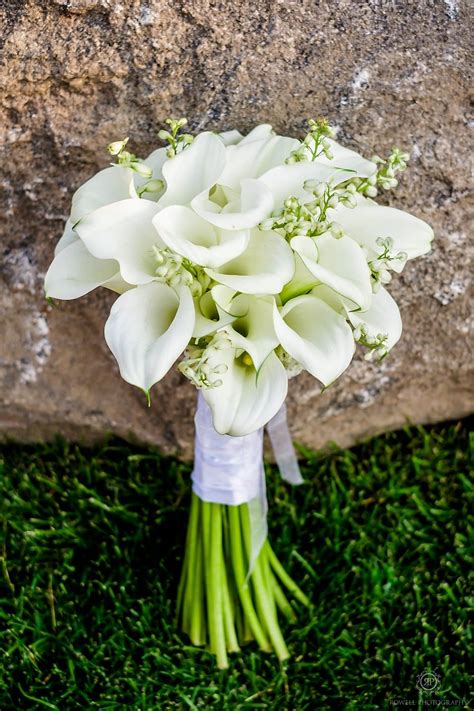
[229, 470]
[283, 449]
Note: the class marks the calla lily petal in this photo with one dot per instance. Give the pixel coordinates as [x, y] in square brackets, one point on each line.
[253, 331]
[349, 160]
[253, 158]
[252, 206]
[191, 236]
[107, 186]
[223, 297]
[230, 138]
[315, 336]
[124, 231]
[67, 238]
[338, 263]
[288, 180]
[383, 317]
[332, 298]
[245, 401]
[117, 284]
[148, 329]
[209, 317]
[263, 130]
[264, 268]
[369, 221]
[75, 272]
[302, 281]
[194, 170]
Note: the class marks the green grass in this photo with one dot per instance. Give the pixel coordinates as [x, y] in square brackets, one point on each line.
[378, 537]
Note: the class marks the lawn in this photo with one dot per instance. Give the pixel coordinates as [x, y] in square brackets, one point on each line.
[378, 537]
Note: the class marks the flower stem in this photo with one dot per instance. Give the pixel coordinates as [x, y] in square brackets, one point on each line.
[197, 632]
[242, 586]
[288, 582]
[187, 578]
[219, 603]
[263, 595]
[212, 531]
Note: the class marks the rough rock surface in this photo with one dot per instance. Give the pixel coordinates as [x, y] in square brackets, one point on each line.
[79, 73]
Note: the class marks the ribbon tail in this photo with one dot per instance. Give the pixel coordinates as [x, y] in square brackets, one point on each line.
[257, 508]
[283, 449]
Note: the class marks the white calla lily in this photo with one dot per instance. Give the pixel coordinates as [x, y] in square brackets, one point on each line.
[67, 238]
[368, 222]
[194, 170]
[148, 329]
[349, 160]
[188, 234]
[302, 281]
[338, 263]
[224, 296]
[107, 186]
[230, 138]
[252, 205]
[74, 272]
[262, 131]
[263, 268]
[333, 299]
[288, 180]
[124, 231]
[253, 331]
[245, 400]
[251, 159]
[382, 318]
[210, 317]
[315, 336]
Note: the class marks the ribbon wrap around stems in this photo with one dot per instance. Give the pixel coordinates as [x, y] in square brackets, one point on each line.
[229, 470]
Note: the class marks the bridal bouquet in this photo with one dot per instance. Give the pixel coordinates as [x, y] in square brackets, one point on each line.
[247, 259]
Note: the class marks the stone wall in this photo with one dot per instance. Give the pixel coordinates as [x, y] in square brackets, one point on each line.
[77, 74]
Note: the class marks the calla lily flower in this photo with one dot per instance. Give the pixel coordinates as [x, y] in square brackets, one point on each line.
[194, 170]
[368, 222]
[124, 231]
[230, 138]
[148, 329]
[245, 400]
[338, 263]
[210, 316]
[251, 206]
[383, 317]
[77, 271]
[288, 180]
[107, 186]
[188, 234]
[315, 336]
[348, 160]
[263, 268]
[74, 272]
[263, 130]
[253, 331]
[301, 282]
[67, 237]
[252, 158]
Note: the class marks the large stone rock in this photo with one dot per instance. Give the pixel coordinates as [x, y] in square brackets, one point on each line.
[77, 74]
